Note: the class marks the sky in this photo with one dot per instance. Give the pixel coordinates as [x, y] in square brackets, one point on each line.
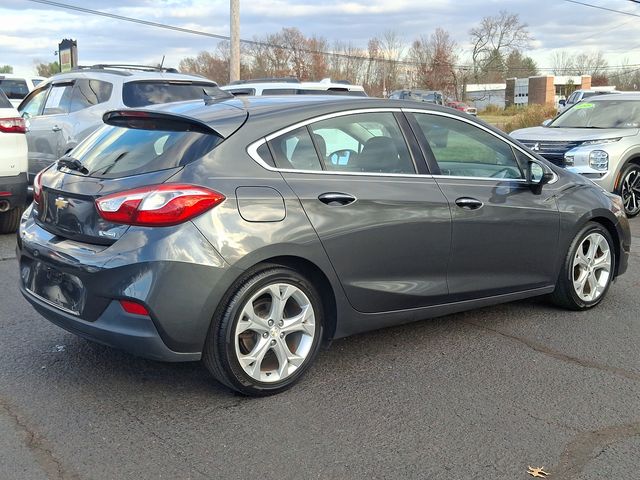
[31, 31]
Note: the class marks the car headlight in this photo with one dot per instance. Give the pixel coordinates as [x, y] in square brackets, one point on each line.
[599, 160]
[602, 141]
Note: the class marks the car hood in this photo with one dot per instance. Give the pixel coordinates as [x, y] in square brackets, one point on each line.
[571, 134]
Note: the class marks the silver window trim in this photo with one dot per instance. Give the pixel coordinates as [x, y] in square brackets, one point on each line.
[252, 149]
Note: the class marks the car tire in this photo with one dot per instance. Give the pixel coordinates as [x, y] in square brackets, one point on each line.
[629, 189]
[588, 269]
[10, 220]
[282, 338]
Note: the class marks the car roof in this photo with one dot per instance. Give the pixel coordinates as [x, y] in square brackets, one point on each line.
[223, 115]
[294, 86]
[615, 96]
[126, 76]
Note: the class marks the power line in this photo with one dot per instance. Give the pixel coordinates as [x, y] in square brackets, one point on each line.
[604, 8]
[569, 70]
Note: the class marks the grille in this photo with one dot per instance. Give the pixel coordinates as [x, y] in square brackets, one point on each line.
[552, 151]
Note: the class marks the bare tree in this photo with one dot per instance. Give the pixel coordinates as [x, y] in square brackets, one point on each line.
[590, 63]
[562, 62]
[433, 60]
[495, 38]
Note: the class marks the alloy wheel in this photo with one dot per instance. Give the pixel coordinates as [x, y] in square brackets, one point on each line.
[591, 270]
[630, 191]
[274, 332]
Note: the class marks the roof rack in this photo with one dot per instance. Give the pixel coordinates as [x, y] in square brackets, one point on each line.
[124, 66]
[267, 80]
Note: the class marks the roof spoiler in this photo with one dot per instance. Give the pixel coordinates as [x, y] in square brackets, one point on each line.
[151, 120]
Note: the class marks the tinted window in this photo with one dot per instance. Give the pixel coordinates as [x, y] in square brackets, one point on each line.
[279, 91]
[141, 94]
[242, 91]
[32, 106]
[366, 142]
[14, 88]
[58, 100]
[464, 150]
[332, 91]
[88, 93]
[295, 150]
[4, 101]
[114, 152]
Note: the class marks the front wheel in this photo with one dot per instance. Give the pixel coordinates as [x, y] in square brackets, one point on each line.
[588, 269]
[629, 189]
[267, 334]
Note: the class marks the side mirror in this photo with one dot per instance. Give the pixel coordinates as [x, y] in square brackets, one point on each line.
[562, 103]
[538, 175]
[546, 122]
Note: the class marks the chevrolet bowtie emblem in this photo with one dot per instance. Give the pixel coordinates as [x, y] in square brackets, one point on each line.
[61, 203]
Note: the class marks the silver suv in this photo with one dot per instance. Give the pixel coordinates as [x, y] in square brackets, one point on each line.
[598, 138]
[68, 107]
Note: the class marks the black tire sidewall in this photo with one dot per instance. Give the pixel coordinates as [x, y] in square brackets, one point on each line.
[588, 229]
[625, 172]
[226, 327]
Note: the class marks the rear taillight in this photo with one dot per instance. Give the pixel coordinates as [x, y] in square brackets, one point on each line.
[37, 188]
[157, 205]
[12, 125]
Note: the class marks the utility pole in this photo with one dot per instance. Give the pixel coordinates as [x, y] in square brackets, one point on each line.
[234, 67]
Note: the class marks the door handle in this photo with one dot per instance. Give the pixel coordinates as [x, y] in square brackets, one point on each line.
[336, 199]
[469, 203]
[55, 128]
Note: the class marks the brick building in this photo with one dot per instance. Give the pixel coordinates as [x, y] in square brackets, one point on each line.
[543, 90]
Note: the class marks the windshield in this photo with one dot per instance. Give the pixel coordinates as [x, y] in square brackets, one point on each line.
[601, 114]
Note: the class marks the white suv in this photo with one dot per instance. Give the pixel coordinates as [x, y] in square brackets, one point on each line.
[13, 166]
[16, 87]
[292, 86]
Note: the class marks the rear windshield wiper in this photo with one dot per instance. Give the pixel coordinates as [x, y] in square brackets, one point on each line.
[72, 164]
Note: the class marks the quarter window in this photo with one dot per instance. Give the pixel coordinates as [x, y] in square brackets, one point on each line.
[295, 150]
[464, 150]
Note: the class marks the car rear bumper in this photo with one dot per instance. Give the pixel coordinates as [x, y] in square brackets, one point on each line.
[14, 190]
[174, 272]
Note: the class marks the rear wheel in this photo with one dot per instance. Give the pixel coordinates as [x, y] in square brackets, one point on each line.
[629, 189]
[10, 220]
[267, 334]
[588, 269]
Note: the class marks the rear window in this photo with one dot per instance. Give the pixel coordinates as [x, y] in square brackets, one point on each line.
[141, 94]
[114, 152]
[14, 88]
[4, 101]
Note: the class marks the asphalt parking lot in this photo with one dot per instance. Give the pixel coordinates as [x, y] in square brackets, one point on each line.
[483, 394]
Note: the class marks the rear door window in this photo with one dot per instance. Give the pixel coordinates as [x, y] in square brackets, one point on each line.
[32, 106]
[141, 94]
[114, 152]
[88, 93]
[14, 88]
[58, 100]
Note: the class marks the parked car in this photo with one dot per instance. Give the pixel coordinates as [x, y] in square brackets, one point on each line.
[67, 107]
[13, 166]
[598, 138]
[292, 86]
[463, 107]
[246, 232]
[428, 96]
[579, 95]
[16, 87]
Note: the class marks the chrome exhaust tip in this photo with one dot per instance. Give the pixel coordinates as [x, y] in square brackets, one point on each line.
[4, 205]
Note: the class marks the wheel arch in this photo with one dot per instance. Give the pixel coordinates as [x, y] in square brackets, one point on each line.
[635, 159]
[319, 279]
[611, 228]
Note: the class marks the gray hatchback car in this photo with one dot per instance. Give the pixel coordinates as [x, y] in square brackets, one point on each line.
[246, 232]
[67, 107]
